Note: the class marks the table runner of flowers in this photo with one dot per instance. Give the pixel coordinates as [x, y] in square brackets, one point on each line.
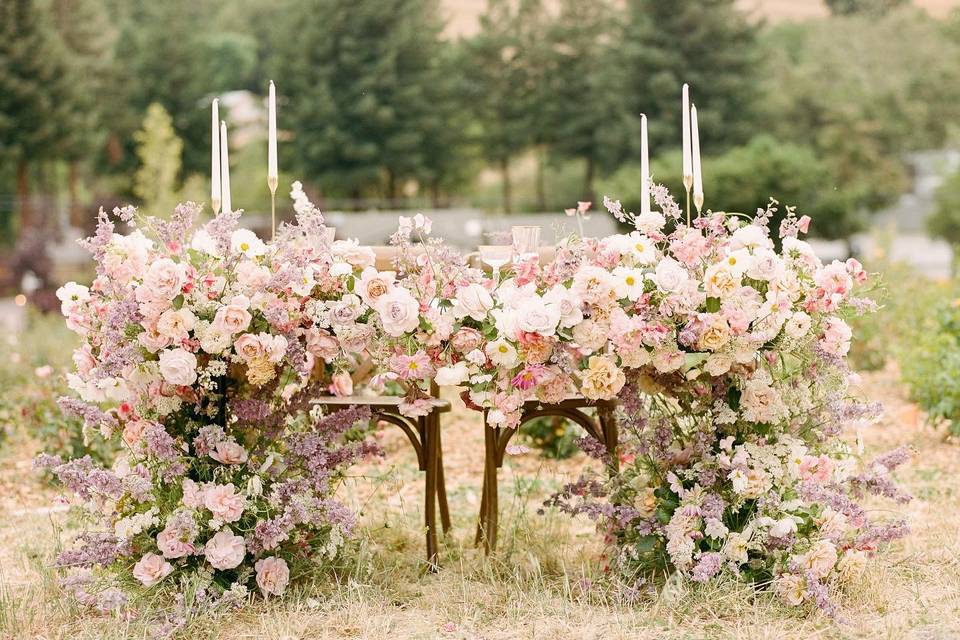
[723, 343]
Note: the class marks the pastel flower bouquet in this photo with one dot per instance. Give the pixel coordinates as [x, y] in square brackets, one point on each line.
[200, 351]
[723, 346]
[732, 460]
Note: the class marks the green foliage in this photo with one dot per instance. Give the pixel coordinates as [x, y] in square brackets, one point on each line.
[33, 380]
[159, 149]
[869, 7]
[556, 438]
[931, 366]
[945, 221]
[362, 82]
[712, 45]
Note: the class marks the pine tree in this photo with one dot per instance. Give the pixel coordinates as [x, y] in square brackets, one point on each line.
[35, 94]
[159, 150]
[360, 86]
[585, 114]
[709, 44]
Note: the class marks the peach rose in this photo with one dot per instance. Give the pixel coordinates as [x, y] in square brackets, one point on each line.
[223, 502]
[272, 575]
[133, 431]
[225, 550]
[151, 569]
[322, 345]
[227, 452]
[819, 560]
[234, 317]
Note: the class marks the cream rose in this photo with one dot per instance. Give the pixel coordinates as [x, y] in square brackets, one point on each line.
[819, 560]
[234, 317]
[178, 366]
[472, 300]
[225, 550]
[602, 380]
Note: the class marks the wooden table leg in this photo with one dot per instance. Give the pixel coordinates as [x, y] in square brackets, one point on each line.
[430, 505]
[441, 483]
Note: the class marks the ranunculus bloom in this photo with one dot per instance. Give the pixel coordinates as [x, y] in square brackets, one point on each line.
[178, 366]
[151, 569]
[272, 575]
[223, 502]
[225, 550]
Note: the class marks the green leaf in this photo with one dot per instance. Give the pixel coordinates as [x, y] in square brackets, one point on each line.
[178, 302]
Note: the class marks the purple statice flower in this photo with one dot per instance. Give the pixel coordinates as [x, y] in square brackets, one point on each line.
[82, 477]
[876, 534]
[708, 565]
[876, 479]
[712, 506]
[92, 416]
[593, 447]
[221, 228]
[93, 549]
[159, 444]
[819, 593]
[207, 439]
[138, 487]
[297, 355]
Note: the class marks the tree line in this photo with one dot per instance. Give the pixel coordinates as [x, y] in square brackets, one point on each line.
[379, 101]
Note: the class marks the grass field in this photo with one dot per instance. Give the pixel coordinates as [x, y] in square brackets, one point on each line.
[546, 581]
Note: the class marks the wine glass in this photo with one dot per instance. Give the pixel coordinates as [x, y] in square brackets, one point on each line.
[330, 233]
[526, 241]
[495, 256]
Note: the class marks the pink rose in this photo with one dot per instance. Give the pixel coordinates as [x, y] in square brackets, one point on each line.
[133, 431]
[272, 575]
[178, 366]
[171, 546]
[341, 385]
[192, 494]
[223, 502]
[83, 360]
[225, 550]
[249, 347]
[227, 452]
[322, 345]
[151, 569]
[234, 317]
[466, 340]
[163, 281]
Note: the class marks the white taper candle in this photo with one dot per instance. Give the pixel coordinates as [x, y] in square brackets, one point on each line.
[687, 161]
[644, 167]
[224, 170]
[697, 172]
[215, 199]
[273, 175]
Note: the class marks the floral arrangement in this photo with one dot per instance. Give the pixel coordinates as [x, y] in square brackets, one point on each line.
[200, 350]
[724, 346]
[731, 460]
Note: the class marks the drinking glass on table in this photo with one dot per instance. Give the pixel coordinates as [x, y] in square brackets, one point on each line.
[495, 256]
[330, 233]
[526, 241]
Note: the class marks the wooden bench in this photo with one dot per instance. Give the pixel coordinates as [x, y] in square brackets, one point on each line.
[603, 428]
[424, 435]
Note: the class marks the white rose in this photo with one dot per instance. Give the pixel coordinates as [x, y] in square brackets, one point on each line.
[399, 312]
[178, 366]
[535, 316]
[472, 300]
[567, 303]
[798, 325]
[670, 276]
[452, 375]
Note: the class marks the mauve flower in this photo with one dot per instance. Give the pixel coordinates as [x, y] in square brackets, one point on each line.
[225, 550]
[272, 575]
[151, 569]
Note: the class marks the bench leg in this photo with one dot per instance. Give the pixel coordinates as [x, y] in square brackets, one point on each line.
[430, 498]
[441, 483]
[606, 416]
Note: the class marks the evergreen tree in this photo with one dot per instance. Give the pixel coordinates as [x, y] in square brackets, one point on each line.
[502, 67]
[36, 94]
[360, 82]
[159, 150]
[709, 44]
[584, 113]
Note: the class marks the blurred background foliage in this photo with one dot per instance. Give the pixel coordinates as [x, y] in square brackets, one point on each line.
[536, 106]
